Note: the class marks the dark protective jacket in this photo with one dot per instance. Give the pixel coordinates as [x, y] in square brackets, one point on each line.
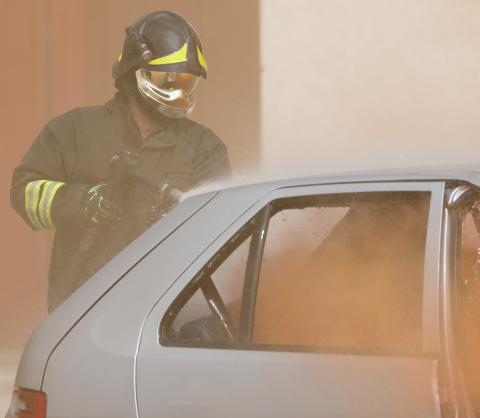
[73, 153]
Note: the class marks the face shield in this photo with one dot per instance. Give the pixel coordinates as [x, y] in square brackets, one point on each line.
[171, 94]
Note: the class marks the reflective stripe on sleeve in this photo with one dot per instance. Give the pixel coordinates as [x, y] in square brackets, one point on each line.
[41, 206]
[48, 207]
[27, 203]
[39, 195]
[32, 204]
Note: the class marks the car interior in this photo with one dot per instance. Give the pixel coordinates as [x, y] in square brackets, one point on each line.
[357, 286]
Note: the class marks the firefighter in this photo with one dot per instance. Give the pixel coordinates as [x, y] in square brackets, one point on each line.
[62, 182]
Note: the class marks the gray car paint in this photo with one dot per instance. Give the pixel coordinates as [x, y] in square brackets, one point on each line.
[221, 382]
[47, 338]
[53, 328]
[106, 338]
[457, 392]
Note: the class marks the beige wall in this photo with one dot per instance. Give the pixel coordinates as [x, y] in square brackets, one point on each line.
[56, 55]
[23, 254]
[363, 84]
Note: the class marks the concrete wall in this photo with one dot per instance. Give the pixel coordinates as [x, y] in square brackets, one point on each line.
[363, 84]
[57, 55]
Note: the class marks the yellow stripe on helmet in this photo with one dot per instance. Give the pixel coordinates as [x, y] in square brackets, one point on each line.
[201, 59]
[173, 58]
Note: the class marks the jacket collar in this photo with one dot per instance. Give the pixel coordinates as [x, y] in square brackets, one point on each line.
[130, 131]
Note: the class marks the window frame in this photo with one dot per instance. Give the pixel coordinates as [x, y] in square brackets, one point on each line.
[452, 371]
[261, 213]
[235, 241]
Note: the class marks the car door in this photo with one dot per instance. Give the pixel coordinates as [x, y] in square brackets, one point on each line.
[461, 288]
[318, 301]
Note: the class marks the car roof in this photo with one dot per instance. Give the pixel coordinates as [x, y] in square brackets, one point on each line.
[470, 174]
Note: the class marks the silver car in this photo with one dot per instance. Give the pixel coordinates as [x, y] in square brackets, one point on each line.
[347, 296]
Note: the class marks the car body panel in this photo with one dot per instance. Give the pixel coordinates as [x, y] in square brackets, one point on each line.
[223, 383]
[56, 325]
[216, 382]
[100, 329]
[110, 331]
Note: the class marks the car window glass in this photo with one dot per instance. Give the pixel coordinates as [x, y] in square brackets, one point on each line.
[337, 272]
[344, 274]
[197, 320]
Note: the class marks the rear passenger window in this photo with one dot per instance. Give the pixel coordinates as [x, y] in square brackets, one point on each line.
[209, 309]
[337, 272]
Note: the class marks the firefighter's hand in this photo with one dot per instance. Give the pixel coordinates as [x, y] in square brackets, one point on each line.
[166, 200]
[98, 210]
[171, 197]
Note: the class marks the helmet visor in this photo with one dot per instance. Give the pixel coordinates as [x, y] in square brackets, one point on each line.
[173, 81]
[171, 89]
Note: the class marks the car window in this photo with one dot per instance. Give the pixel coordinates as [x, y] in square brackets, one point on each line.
[228, 280]
[212, 301]
[341, 272]
[345, 274]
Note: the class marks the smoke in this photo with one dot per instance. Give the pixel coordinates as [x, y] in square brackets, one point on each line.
[344, 275]
[345, 278]
[345, 86]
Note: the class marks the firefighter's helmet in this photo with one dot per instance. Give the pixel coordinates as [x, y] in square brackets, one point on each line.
[165, 54]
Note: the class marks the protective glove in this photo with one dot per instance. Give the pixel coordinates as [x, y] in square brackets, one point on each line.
[162, 203]
[98, 210]
[170, 196]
